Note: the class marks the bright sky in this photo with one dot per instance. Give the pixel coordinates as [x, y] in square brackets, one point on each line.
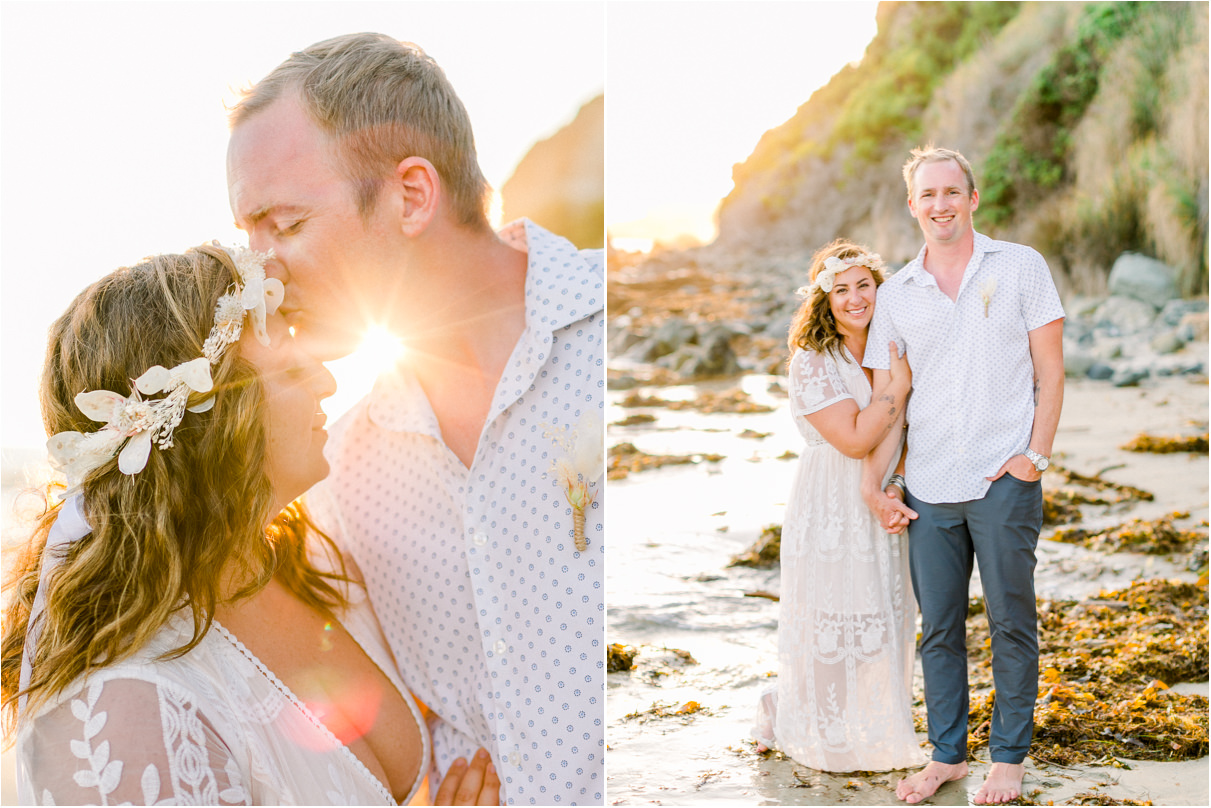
[692, 88]
[114, 129]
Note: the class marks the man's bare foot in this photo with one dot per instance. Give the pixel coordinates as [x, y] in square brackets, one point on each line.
[1003, 784]
[923, 784]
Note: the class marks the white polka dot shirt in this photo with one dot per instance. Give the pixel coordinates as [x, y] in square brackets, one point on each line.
[495, 619]
[972, 405]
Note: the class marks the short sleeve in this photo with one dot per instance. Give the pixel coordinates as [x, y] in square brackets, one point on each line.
[126, 741]
[882, 331]
[1040, 299]
[815, 382]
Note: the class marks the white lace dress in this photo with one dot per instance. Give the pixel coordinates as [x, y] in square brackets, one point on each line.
[214, 727]
[846, 625]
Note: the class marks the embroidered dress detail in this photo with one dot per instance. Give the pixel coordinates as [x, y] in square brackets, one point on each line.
[846, 615]
[213, 727]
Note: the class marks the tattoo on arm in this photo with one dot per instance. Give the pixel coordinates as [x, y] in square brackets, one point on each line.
[1036, 391]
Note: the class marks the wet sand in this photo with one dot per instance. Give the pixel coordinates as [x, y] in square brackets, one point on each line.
[678, 526]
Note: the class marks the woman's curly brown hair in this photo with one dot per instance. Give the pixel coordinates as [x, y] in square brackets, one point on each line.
[161, 540]
[813, 327]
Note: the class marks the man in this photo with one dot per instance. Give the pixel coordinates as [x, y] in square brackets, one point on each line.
[355, 162]
[982, 324]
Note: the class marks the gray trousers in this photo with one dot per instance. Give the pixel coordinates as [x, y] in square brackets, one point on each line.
[1001, 532]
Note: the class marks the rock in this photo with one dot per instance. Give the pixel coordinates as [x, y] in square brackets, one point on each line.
[1142, 278]
[1176, 310]
[623, 340]
[1196, 322]
[671, 335]
[1124, 315]
[623, 382]
[1167, 342]
[1107, 349]
[1077, 361]
[714, 357]
[1100, 371]
[1077, 330]
[1129, 376]
[1081, 306]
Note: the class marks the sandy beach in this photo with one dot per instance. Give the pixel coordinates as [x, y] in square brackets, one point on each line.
[679, 731]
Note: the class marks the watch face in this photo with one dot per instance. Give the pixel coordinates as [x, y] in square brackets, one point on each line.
[1042, 464]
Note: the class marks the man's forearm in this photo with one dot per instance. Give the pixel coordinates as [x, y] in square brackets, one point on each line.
[1047, 355]
[1049, 394]
[875, 464]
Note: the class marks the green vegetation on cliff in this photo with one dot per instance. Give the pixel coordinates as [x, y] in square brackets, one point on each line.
[901, 69]
[1086, 124]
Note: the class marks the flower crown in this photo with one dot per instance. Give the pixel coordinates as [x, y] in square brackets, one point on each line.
[139, 422]
[833, 266]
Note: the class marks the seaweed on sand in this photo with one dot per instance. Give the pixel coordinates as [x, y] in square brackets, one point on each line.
[764, 553]
[625, 459]
[685, 712]
[707, 402]
[634, 419]
[620, 657]
[1105, 668]
[1161, 444]
[1123, 493]
[1098, 798]
[1061, 506]
[1155, 537]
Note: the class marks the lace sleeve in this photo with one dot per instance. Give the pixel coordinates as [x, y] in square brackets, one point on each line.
[126, 741]
[815, 382]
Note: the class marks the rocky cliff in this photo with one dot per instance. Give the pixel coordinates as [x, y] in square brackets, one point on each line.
[560, 183]
[1086, 124]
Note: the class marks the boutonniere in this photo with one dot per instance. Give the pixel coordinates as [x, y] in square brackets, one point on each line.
[579, 467]
[986, 291]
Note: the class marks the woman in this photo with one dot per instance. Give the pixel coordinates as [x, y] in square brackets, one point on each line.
[180, 632]
[847, 615]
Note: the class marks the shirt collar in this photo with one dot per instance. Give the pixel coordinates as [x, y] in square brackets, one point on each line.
[914, 271]
[397, 403]
[562, 286]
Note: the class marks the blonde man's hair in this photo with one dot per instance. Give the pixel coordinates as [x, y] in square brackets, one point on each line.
[935, 154]
[380, 101]
[160, 539]
[813, 328]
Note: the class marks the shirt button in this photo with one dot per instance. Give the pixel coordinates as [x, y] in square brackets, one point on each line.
[480, 539]
[499, 647]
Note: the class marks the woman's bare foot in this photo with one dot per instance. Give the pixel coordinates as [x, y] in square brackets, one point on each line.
[923, 784]
[1003, 784]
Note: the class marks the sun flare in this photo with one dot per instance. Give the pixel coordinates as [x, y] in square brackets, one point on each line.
[378, 351]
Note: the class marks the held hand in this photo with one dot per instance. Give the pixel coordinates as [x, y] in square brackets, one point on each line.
[898, 514]
[900, 372]
[1018, 466]
[889, 509]
[476, 784]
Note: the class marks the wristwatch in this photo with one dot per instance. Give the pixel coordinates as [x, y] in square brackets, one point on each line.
[1041, 462]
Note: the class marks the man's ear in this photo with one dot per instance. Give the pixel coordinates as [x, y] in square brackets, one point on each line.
[420, 190]
[975, 199]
